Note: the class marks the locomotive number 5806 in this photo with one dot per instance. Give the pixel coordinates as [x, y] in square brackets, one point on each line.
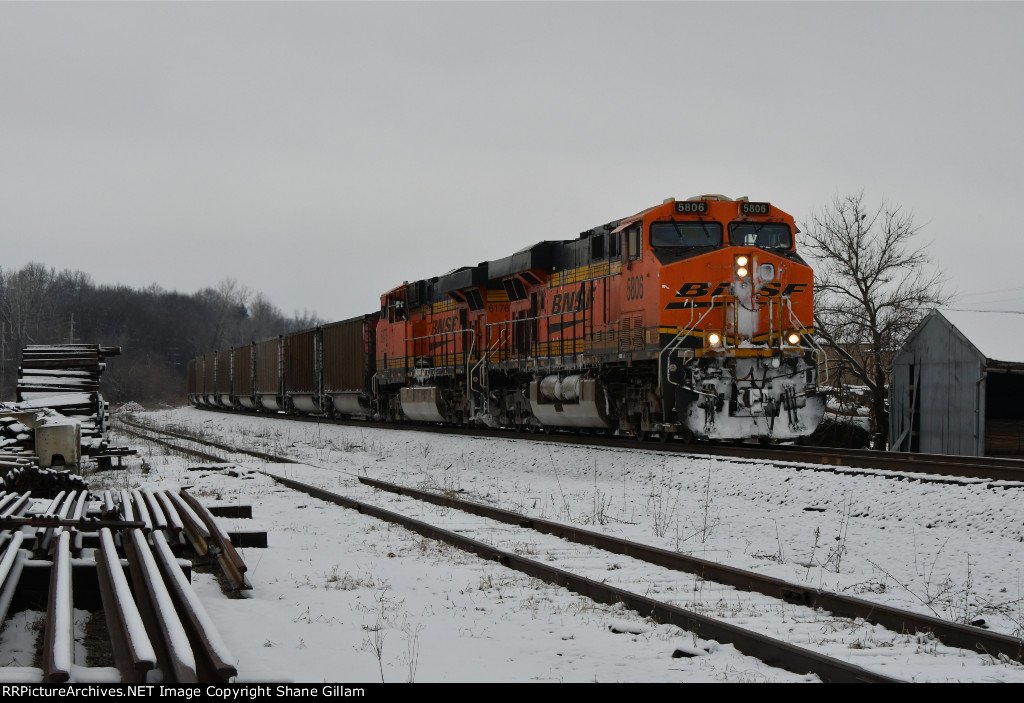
[635, 288]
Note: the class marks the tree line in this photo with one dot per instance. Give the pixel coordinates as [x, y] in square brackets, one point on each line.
[158, 330]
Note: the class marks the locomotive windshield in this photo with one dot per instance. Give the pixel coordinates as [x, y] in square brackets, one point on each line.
[686, 234]
[766, 235]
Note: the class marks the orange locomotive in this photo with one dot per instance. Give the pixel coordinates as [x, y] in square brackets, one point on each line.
[692, 318]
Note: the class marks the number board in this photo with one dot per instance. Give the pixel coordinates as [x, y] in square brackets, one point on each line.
[693, 207]
[755, 208]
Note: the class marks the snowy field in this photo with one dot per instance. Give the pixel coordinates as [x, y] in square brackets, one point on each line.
[340, 597]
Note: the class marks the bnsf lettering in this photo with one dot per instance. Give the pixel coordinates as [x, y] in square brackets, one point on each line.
[693, 290]
[769, 290]
[699, 290]
[565, 303]
[449, 324]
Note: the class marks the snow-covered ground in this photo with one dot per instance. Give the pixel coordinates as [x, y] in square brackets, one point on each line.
[342, 597]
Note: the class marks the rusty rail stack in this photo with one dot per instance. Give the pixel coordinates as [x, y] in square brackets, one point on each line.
[116, 552]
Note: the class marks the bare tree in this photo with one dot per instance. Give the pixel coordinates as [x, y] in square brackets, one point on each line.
[228, 303]
[873, 283]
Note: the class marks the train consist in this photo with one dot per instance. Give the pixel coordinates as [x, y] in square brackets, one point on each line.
[691, 319]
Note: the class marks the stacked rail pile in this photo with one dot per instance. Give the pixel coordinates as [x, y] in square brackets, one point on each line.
[17, 444]
[119, 552]
[66, 378]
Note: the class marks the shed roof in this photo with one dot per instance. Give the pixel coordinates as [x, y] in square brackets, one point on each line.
[999, 336]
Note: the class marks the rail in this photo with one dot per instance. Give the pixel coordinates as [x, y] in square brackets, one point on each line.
[950, 633]
[157, 622]
[769, 650]
[811, 457]
[134, 655]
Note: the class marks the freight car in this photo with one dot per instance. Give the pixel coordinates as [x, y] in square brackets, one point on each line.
[690, 319]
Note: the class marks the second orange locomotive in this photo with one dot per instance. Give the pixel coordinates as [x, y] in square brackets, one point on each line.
[692, 318]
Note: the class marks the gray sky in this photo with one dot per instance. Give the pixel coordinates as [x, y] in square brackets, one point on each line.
[325, 152]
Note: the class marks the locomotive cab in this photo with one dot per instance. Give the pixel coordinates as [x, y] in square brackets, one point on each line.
[737, 359]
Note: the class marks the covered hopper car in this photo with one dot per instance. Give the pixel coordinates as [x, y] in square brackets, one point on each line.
[690, 319]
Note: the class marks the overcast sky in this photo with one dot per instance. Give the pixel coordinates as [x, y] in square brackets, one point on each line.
[325, 152]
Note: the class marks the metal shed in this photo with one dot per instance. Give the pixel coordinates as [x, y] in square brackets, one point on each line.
[957, 383]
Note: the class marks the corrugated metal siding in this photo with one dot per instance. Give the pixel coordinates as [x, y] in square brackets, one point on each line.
[300, 367]
[241, 383]
[224, 371]
[268, 362]
[209, 372]
[950, 407]
[346, 358]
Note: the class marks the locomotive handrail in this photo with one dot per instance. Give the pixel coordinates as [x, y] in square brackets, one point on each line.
[484, 358]
[677, 341]
[800, 325]
[438, 334]
[507, 324]
[444, 355]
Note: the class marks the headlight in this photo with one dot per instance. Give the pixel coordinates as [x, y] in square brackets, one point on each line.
[739, 266]
[794, 339]
[766, 272]
[714, 339]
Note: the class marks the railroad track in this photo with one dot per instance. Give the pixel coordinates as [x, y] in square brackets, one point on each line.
[757, 644]
[76, 550]
[818, 458]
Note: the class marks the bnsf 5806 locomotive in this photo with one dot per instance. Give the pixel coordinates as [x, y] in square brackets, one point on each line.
[691, 319]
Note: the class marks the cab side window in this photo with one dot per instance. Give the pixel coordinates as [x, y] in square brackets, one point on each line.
[613, 246]
[633, 242]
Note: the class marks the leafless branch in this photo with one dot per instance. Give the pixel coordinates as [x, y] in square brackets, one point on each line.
[873, 283]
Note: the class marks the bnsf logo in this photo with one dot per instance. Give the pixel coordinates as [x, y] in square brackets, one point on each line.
[448, 324]
[563, 303]
[769, 290]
